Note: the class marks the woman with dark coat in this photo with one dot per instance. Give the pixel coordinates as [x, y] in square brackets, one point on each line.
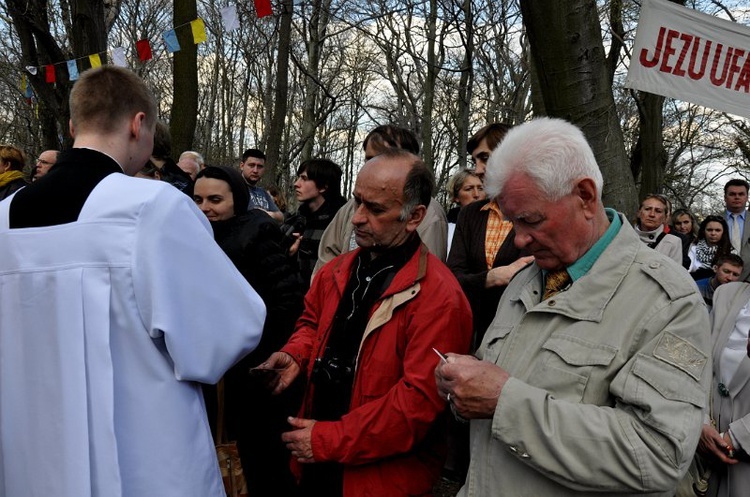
[253, 417]
[711, 243]
[482, 278]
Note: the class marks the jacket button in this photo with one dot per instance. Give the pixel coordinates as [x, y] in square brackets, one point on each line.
[524, 455]
[551, 303]
[513, 449]
[653, 264]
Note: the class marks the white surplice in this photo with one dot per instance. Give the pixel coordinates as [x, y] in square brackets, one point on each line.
[106, 325]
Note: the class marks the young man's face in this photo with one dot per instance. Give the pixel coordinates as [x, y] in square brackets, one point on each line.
[735, 198]
[727, 273]
[252, 169]
[479, 157]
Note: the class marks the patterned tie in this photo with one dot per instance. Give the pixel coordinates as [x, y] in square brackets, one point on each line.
[735, 233]
[556, 281]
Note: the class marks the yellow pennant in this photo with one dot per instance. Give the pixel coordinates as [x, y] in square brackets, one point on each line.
[199, 30]
[95, 60]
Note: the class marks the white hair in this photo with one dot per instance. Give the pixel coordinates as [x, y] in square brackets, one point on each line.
[192, 154]
[552, 152]
[189, 162]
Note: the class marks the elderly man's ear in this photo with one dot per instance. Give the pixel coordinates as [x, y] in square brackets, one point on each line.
[586, 191]
[415, 218]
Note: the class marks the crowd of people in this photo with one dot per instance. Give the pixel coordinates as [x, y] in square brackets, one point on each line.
[530, 341]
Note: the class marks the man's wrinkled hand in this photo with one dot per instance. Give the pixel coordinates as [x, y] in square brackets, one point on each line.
[299, 440]
[289, 369]
[471, 386]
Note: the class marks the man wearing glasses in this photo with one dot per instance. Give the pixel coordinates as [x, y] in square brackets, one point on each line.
[46, 160]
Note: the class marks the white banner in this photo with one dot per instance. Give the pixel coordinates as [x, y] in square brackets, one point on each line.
[690, 56]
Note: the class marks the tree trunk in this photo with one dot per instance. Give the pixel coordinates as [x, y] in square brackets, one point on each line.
[568, 55]
[466, 84]
[88, 34]
[184, 112]
[649, 156]
[281, 91]
[429, 87]
[316, 32]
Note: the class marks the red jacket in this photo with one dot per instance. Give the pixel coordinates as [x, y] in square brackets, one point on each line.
[389, 440]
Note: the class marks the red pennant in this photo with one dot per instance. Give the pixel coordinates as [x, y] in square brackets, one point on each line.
[144, 50]
[50, 73]
[263, 8]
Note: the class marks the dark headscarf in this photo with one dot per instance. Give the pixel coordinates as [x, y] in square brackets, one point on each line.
[232, 176]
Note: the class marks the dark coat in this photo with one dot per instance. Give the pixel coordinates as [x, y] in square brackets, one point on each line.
[469, 264]
[315, 224]
[255, 418]
[12, 187]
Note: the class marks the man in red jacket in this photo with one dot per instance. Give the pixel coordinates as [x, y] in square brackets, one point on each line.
[369, 422]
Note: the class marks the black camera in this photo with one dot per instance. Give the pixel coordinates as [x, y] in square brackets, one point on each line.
[295, 224]
[331, 370]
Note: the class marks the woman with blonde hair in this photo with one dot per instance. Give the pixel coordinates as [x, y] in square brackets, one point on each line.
[12, 178]
[652, 217]
[464, 188]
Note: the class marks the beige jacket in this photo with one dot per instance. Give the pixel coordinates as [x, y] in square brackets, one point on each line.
[337, 238]
[731, 412]
[608, 381]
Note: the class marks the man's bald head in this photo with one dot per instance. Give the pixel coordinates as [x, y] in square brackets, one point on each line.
[391, 194]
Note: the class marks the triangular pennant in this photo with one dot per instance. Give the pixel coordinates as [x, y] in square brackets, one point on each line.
[229, 18]
[49, 73]
[95, 60]
[144, 50]
[199, 30]
[263, 8]
[170, 39]
[26, 89]
[32, 70]
[72, 70]
[118, 57]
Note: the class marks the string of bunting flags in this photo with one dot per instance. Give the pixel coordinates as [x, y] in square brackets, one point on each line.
[143, 47]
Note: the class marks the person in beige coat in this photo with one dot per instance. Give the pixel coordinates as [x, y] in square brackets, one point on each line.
[725, 443]
[338, 238]
[595, 384]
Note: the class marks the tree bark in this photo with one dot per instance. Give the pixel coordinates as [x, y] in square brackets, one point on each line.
[429, 87]
[88, 30]
[568, 54]
[466, 84]
[184, 112]
[281, 91]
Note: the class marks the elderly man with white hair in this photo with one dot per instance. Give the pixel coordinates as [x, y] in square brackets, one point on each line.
[593, 375]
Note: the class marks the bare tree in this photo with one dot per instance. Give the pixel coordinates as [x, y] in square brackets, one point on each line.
[567, 49]
[184, 113]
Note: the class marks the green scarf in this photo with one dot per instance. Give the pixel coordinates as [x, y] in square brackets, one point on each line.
[9, 176]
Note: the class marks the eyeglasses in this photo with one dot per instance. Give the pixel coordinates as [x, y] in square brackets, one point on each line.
[45, 162]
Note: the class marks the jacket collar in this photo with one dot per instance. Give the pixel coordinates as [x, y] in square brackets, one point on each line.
[414, 270]
[587, 299]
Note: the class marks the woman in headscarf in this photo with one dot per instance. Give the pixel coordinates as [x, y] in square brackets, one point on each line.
[254, 418]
